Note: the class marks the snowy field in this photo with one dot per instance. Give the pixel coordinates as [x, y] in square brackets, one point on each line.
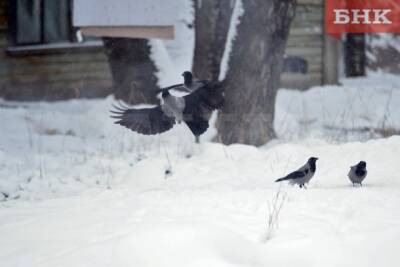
[77, 190]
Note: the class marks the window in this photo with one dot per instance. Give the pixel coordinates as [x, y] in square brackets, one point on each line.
[37, 25]
[295, 64]
[41, 22]
[3, 15]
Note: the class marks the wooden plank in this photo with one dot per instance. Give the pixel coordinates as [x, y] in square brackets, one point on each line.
[101, 82]
[306, 40]
[300, 81]
[305, 51]
[293, 45]
[305, 37]
[50, 69]
[145, 32]
[314, 65]
[306, 31]
[13, 84]
[311, 2]
[29, 78]
[307, 14]
[314, 68]
[302, 43]
[55, 58]
[51, 91]
[306, 24]
[56, 48]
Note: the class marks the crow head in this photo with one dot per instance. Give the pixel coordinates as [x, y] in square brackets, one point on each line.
[187, 77]
[361, 165]
[311, 162]
[165, 94]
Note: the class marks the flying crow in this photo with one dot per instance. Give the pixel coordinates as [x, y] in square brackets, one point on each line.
[194, 109]
[189, 84]
[358, 173]
[303, 175]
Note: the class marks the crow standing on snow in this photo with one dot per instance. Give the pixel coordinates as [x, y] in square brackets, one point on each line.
[358, 173]
[189, 83]
[194, 109]
[303, 175]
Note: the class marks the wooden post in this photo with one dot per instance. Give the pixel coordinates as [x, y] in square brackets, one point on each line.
[355, 59]
[331, 55]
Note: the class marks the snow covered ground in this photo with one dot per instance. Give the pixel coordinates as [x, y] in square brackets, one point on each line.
[359, 109]
[77, 190]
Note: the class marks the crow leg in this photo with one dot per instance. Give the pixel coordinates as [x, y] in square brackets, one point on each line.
[197, 139]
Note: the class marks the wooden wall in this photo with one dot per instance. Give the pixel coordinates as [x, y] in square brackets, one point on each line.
[85, 73]
[81, 72]
[306, 39]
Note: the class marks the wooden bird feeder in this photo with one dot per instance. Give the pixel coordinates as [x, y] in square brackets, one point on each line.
[143, 19]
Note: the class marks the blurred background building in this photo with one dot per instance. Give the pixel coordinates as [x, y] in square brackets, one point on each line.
[44, 57]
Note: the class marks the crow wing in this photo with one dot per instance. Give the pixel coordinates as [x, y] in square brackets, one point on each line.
[147, 121]
[360, 172]
[199, 106]
[203, 81]
[177, 87]
[296, 175]
[205, 99]
[292, 176]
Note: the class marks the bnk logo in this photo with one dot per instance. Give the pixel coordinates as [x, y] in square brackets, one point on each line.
[361, 16]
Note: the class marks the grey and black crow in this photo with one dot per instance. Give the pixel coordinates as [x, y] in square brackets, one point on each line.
[303, 175]
[358, 173]
[189, 84]
[194, 109]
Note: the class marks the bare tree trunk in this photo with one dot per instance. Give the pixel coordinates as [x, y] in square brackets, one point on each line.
[133, 71]
[212, 20]
[254, 72]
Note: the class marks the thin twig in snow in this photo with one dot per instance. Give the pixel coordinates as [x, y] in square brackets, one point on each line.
[274, 209]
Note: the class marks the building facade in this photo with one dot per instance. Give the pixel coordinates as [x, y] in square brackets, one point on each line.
[44, 60]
